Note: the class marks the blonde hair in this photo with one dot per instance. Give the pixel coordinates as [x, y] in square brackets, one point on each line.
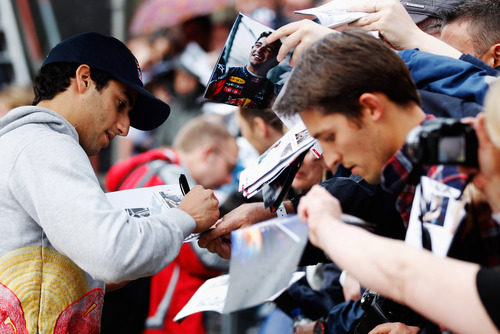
[199, 131]
[14, 96]
[492, 112]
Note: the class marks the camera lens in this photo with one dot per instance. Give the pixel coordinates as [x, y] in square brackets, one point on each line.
[413, 143]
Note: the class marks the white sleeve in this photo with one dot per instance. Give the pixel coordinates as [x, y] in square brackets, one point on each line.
[55, 183]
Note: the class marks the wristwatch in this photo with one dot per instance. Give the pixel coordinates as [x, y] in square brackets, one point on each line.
[319, 327]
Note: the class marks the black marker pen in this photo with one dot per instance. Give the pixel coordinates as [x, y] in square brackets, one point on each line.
[184, 184]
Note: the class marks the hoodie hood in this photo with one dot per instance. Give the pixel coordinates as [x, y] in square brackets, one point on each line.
[18, 117]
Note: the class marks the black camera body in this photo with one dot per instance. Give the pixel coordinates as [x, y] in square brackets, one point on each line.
[379, 310]
[443, 141]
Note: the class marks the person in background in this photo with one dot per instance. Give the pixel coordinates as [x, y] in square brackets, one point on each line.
[186, 98]
[428, 14]
[473, 27]
[206, 153]
[260, 10]
[390, 18]
[12, 97]
[261, 127]
[312, 171]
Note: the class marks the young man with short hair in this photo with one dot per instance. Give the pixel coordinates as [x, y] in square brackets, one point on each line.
[473, 27]
[359, 111]
[360, 107]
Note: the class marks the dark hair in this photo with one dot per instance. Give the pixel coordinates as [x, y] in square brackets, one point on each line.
[483, 18]
[266, 114]
[264, 34]
[333, 73]
[276, 45]
[56, 77]
[431, 25]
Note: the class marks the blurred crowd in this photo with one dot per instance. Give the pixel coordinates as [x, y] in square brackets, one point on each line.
[177, 63]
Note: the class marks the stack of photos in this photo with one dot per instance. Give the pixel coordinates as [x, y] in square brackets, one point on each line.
[273, 161]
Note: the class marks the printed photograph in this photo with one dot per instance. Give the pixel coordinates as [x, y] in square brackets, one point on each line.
[247, 72]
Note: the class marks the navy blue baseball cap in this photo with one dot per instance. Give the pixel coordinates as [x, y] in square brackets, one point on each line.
[419, 10]
[110, 55]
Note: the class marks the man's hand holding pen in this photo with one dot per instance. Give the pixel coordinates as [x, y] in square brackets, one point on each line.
[199, 203]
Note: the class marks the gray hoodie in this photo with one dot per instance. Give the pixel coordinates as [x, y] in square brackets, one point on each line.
[60, 236]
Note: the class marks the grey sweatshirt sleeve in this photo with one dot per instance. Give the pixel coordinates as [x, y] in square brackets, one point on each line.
[53, 181]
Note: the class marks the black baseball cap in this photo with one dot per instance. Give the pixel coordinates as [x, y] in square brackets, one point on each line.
[110, 55]
[419, 10]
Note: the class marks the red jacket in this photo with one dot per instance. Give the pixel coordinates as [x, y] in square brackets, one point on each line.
[175, 284]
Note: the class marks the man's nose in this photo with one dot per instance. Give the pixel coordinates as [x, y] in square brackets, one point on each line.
[332, 159]
[123, 124]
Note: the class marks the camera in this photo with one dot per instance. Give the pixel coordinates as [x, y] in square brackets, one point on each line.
[379, 310]
[443, 141]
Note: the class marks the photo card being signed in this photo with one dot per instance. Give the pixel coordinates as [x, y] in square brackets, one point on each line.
[247, 73]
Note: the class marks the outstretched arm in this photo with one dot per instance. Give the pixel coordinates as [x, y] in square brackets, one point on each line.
[218, 240]
[395, 25]
[444, 290]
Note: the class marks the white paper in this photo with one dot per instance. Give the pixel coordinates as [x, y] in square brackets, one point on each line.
[145, 202]
[334, 13]
[264, 258]
[272, 162]
[436, 207]
[211, 296]
[316, 149]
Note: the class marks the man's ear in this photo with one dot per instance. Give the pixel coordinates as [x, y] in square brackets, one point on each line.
[259, 127]
[495, 55]
[207, 151]
[82, 78]
[372, 104]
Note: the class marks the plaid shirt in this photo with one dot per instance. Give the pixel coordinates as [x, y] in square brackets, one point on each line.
[400, 177]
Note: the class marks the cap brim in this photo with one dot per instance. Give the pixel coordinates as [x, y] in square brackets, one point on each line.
[149, 112]
[417, 18]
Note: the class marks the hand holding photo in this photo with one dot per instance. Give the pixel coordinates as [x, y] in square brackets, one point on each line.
[335, 13]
